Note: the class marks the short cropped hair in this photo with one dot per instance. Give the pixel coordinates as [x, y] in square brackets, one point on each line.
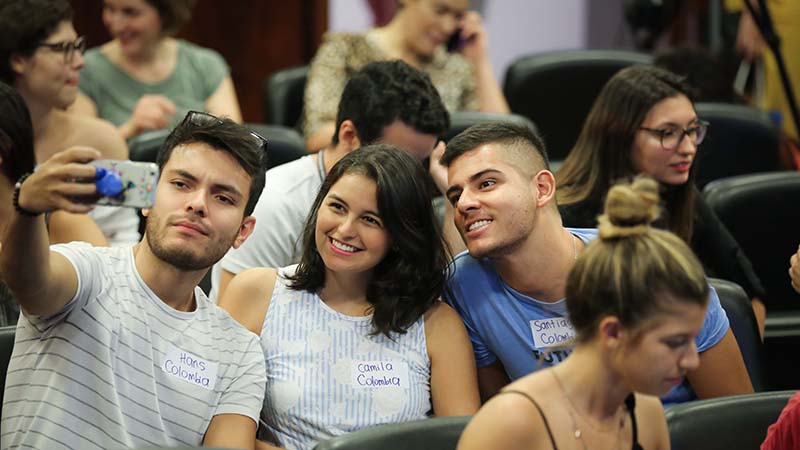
[385, 91]
[24, 24]
[174, 14]
[225, 135]
[511, 136]
[16, 135]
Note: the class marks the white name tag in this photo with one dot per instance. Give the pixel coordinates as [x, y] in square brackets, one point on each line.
[190, 368]
[550, 332]
[376, 374]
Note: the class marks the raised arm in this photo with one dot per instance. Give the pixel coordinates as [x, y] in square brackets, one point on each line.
[43, 281]
[490, 96]
[454, 384]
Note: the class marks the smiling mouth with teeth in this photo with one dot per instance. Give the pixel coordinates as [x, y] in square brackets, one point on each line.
[343, 246]
[479, 224]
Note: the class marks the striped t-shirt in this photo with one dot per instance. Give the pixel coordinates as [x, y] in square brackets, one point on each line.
[118, 368]
[326, 376]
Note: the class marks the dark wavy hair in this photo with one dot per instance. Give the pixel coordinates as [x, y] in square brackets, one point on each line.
[410, 279]
[385, 91]
[16, 135]
[224, 135]
[602, 155]
[24, 24]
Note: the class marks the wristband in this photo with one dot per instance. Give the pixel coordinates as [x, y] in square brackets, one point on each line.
[20, 209]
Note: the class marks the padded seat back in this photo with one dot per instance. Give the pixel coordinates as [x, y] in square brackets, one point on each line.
[283, 95]
[556, 90]
[737, 422]
[436, 433]
[741, 140]
[762, 213]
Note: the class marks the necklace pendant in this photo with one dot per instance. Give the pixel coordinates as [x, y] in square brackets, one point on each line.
[577, 434]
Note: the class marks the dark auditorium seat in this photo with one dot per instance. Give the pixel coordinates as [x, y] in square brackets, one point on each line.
[284, 144]
[6, 347]
[741, 140]
[461, 120]
[745, 328]
[762, 211]
[738, 422]
[556, 90]
[145, 147]
[283, 95]
[436, 433]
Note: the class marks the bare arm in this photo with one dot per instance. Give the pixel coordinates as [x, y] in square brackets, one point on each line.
[454, 384]
[65, 227]
[722, 371]
[490, 95]
[231, 431]
[491, 379]
[223, 101]
[225, 278]
[320, 138]
[247, 297]
[43, 281]
[653, 433]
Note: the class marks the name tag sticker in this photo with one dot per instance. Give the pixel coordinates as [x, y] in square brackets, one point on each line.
[552, 331]
[375, 374]
[190, 368]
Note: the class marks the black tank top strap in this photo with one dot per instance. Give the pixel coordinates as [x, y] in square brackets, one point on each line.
[546, 425]
[630, 403]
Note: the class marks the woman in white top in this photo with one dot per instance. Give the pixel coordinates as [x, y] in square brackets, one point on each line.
[356, 335]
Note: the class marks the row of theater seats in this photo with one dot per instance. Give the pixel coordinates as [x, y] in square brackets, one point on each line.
[724, 423]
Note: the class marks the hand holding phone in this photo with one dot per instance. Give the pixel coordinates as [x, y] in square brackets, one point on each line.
[126, 183]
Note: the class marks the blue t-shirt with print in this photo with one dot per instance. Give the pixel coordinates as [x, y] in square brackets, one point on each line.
[518, 330]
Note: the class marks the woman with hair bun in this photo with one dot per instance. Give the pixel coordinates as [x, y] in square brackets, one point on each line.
[635, 325]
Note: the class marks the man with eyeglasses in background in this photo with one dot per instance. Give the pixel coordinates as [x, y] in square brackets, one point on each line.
[41, 56]
[117, 346]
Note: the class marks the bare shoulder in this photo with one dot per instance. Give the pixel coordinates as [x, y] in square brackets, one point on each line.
[507, 421]
[652, 425]
[99, 134]
[248, 295]
[441, 314]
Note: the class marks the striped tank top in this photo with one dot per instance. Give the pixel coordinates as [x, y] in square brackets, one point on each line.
[326, 376]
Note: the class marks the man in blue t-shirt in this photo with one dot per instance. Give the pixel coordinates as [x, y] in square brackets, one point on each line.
[509, 288]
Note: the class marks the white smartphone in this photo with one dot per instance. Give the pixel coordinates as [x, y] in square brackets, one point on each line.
[138, 183]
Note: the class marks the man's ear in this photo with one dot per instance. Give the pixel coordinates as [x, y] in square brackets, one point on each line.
[544, 183]
[245, 230]
[348, 135]
[611, 332]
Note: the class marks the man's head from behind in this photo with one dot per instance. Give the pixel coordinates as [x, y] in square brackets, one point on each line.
[393, 103]
[212, 174]
[498, 179]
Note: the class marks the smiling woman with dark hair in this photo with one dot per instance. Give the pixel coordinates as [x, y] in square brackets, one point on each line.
[644, 122]
[355, 335]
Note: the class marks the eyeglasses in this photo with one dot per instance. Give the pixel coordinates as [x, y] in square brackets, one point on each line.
[67, 48]
[672, 136]
[204, 118]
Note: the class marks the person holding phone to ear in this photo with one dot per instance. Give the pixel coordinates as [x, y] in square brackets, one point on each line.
[418, 35]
